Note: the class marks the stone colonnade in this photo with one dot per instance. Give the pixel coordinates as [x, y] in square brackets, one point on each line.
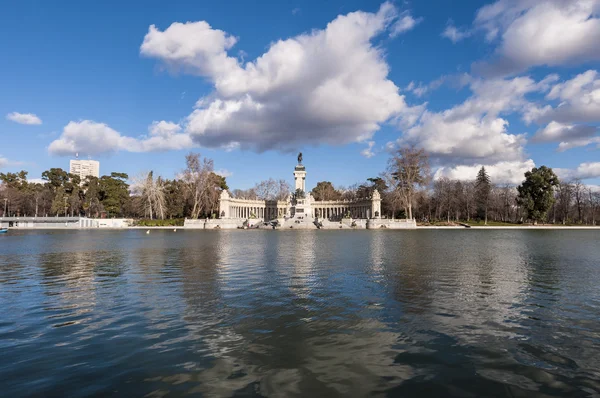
[259, 209]
[339, 209]
[269, 210]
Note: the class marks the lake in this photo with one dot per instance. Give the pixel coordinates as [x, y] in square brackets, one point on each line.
[503, 313]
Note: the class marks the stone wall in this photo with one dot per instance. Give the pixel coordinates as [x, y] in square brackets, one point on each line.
[383, 223]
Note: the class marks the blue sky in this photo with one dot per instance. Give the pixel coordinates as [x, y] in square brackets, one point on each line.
[505, 84]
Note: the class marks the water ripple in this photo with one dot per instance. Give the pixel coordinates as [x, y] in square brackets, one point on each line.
[283, 314]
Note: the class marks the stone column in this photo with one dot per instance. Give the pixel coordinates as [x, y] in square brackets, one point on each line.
[376, 205]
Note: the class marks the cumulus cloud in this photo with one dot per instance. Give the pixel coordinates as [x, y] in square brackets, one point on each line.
[24, 118]
[473, 130]
[583, 171]
[404, 23]
[539, 32]
[326, 86]
[579, 100]
[508, 172]
[368, 151]
[94, 138]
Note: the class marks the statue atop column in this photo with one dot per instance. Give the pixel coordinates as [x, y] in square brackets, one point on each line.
[300, 158]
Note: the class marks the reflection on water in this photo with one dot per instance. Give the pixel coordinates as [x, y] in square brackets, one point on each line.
[297, 313]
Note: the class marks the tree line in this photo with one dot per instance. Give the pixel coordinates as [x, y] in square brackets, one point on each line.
[408, 190]
[406, 186]
[194, 193]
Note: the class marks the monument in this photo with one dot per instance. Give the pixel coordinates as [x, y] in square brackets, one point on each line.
[300, 211]
[301, 200]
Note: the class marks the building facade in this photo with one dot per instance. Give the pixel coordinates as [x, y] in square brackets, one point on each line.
[84, 168]
[299, 208]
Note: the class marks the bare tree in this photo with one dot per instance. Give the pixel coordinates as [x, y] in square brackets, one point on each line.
[443, 192]
[469, 197]
[151, 193]
[579, 195]
[594, 203]
[349, 193]
[283, 190]
[249, 194]
[201, 184]
[410, 167]
[565, 194]
[394, 197]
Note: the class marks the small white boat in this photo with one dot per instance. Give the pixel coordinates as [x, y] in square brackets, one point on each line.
[3, 230]
[148, 231]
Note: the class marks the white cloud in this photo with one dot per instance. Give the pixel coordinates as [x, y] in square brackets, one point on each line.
[579, 142]
[326, 86]
[455, 34]
[508, 172]
[193, 46]
[404, 23]
[473, 131]
[224, 173]
[89, 137]
[417, 89]
[368, 151]
[540, 32]
[579, 100]
[164, 129]
[4, 162]
[36, 181]
[557, 132]
[24, 118]
[583, 171]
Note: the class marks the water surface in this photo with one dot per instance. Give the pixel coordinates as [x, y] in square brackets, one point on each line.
[300, 313]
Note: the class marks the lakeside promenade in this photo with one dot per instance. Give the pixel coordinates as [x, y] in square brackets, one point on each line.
[83, 223]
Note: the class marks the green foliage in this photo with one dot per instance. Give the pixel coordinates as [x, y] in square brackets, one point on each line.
[536, 193]
[59, 201]
[220, 182]
[175, 196]
[483, 189]
[113, 193]
[14, 180]
[55, 177]
[366, 190]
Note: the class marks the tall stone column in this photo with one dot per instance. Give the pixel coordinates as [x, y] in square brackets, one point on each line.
[225, 205]
[376, 205]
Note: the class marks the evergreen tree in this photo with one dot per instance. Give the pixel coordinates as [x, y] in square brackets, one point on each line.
[483, 189]
[536, 193]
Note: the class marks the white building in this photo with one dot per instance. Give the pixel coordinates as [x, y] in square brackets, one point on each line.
[84, 168]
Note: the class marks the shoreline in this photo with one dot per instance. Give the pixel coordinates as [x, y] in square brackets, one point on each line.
[428, 227]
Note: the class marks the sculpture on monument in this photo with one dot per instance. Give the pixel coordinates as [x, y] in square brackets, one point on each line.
[300, 158]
